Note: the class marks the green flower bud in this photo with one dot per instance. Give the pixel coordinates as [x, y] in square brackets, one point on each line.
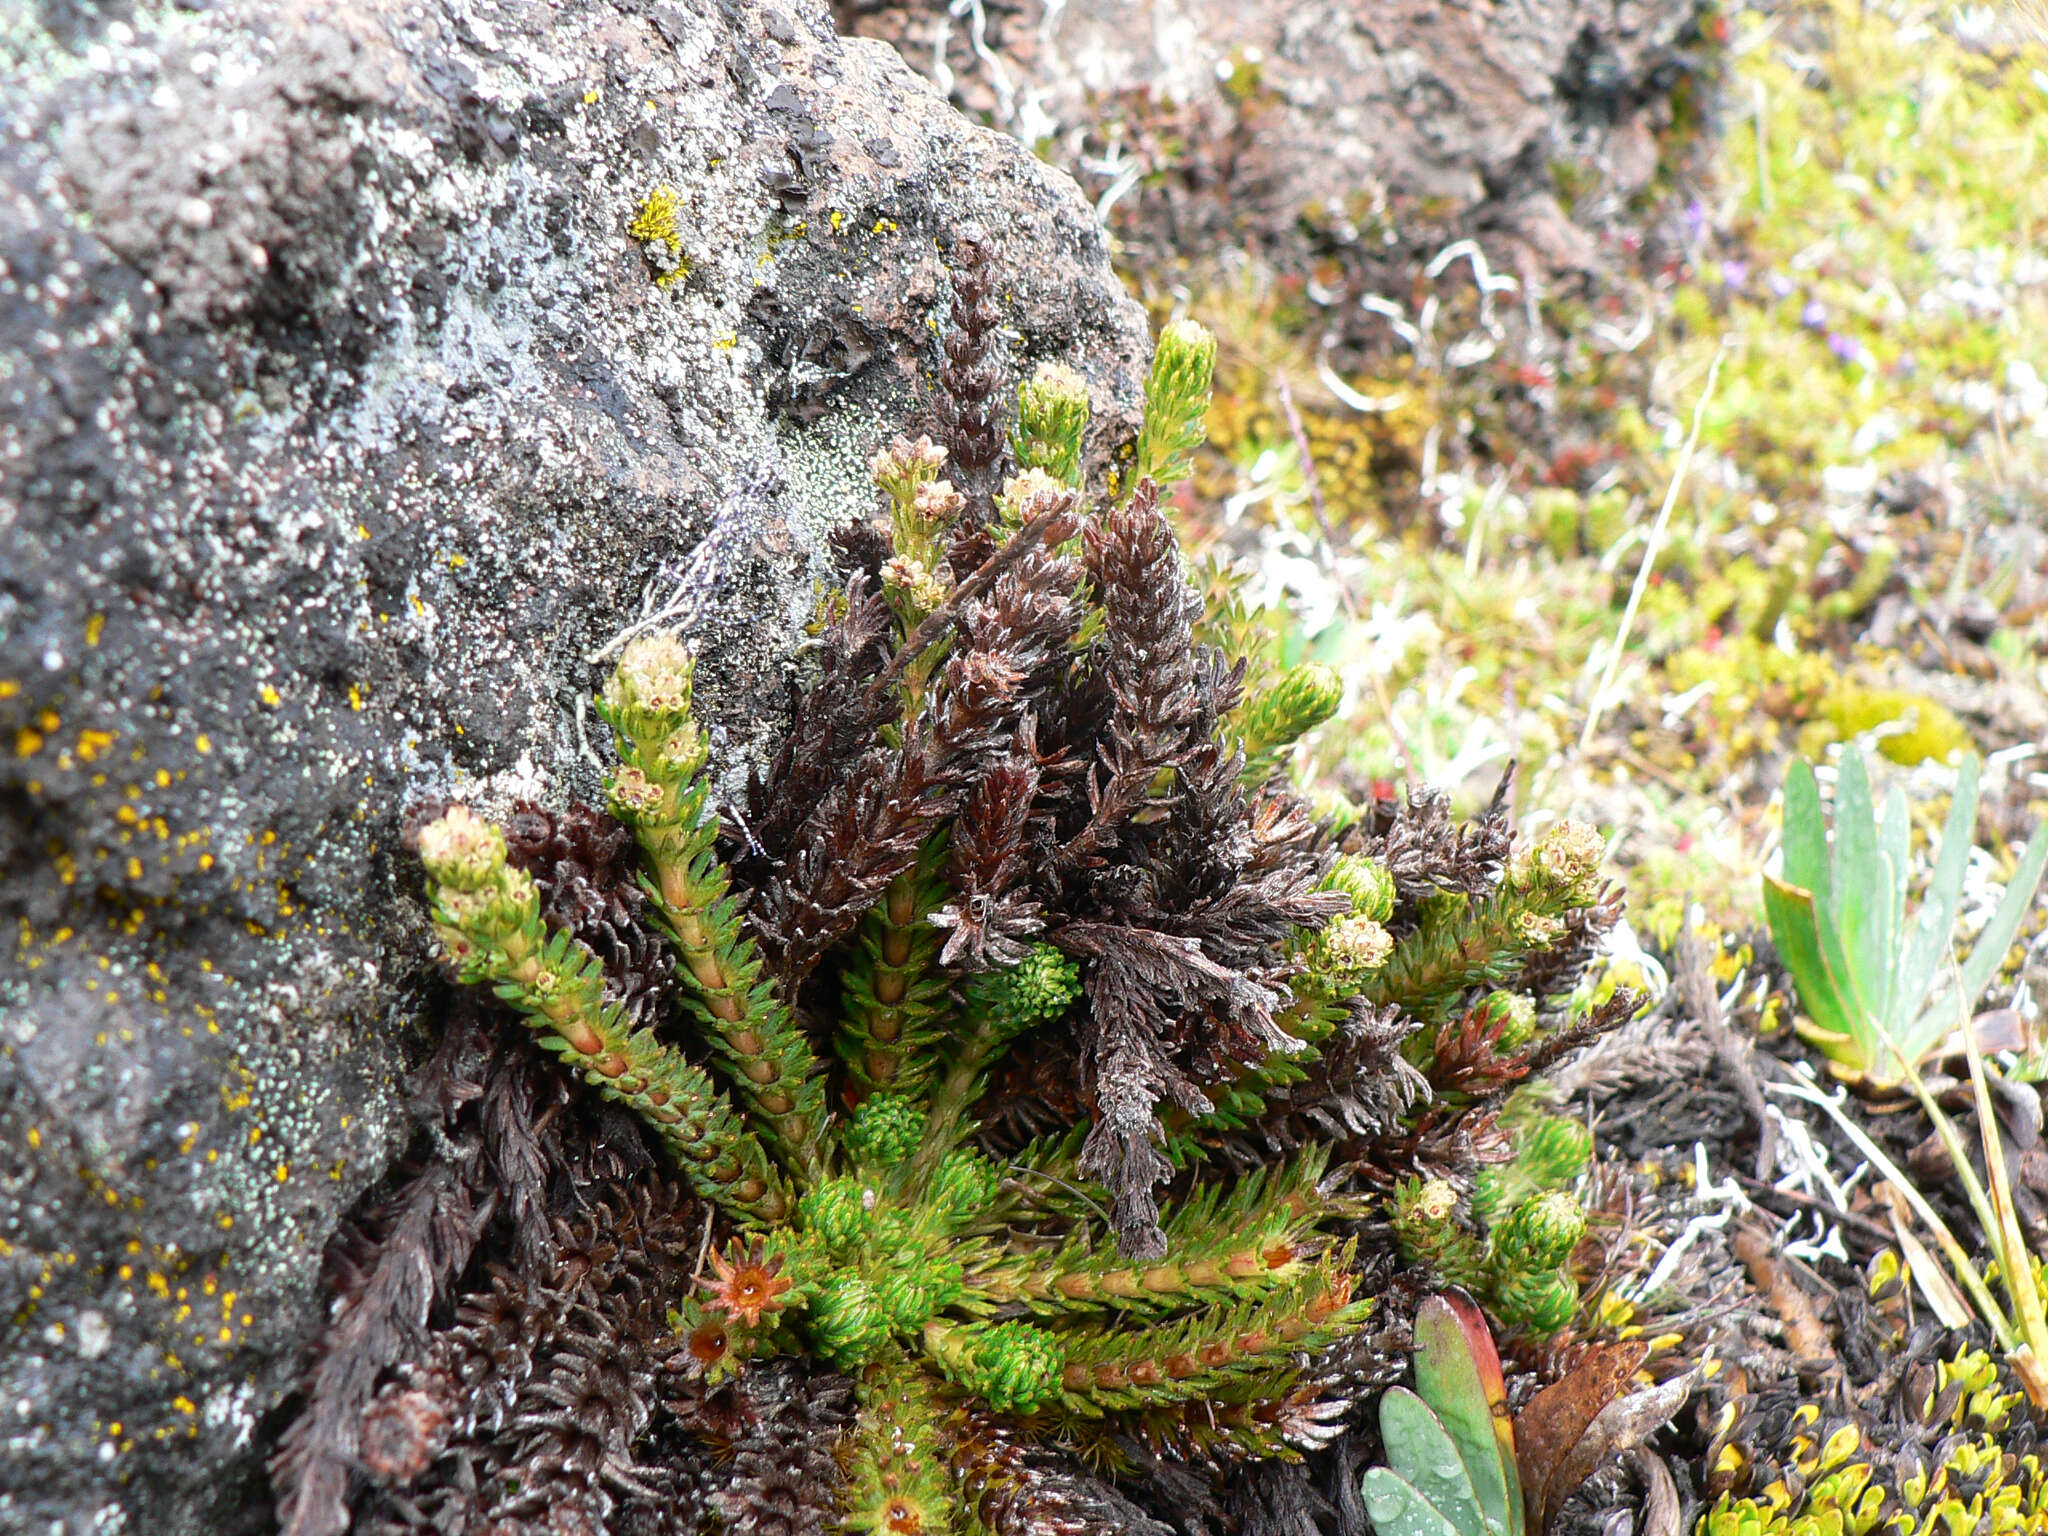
[462, 910]
[1041, 986]
[848, 1322]
[1553, 1150]
[1014, 1366]
[517, 893]
[965, 1183]
[1424, 1215]
[634, 795]
[654, 674]
[1031, 495]
[1540, 1233]
[885, 1129]
[1052, 420]
[911, 1294]
[1538, 1304]
[1568, 858]
[462, 850]
[903, 466]
[838, 1212]
[1176, 400]
[1289, 707]
[1186, 348]
[938, 503]
[1434, 1201]
[1355, 946]
[912, 585]
[1366, 882]
[1519, 1014]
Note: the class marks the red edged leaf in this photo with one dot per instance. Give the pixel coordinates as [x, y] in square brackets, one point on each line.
[1557, 1418]
[1457, 1372]
[1621, 1426]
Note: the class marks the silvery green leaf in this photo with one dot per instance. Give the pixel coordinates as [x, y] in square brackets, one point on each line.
[1398, 1509]
[1421, 1450]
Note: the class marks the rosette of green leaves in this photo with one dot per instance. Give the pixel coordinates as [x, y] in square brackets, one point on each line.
[1881, 991]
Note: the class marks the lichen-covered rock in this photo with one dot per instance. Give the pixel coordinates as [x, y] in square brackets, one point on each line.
[1298, 129]
[365, 371]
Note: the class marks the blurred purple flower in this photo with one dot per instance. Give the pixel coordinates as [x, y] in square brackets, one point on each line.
[1695, 220]
[1814, 316]
[1734, 273]
[1780, 285]
[1850, 350]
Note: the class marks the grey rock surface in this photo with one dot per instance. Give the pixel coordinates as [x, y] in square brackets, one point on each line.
[343, 426]
[1326, 124]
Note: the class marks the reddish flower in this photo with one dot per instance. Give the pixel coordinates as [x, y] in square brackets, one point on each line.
[708, 1344]
[749, 1289]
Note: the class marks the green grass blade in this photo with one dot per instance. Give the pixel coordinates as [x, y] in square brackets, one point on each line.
[1999, 933]
[1398, 1509]
[1795, 930]
[1926, 949]
[1959, 1260]
[1806, 834]
[2015, 1259]
[1421, 1450]
[1895, 847]
[1862, 896]
[1806, 866]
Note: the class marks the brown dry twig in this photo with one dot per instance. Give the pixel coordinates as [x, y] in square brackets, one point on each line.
[1764, 1193]
[1805, 1334]
[1314, 482]
[1736, 1054]
[1051, 527]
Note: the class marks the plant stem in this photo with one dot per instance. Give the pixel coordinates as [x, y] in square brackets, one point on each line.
[1650, 548]
[2015, 1260]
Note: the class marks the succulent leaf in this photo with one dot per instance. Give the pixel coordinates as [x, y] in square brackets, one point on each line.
[1457, 1373]
[1423, 1454]
[1398, 1508]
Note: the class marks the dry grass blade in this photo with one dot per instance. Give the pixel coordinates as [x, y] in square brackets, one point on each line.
[1958, 1258]
[2015, 1259]
[1940, 1292]
[1651, 546]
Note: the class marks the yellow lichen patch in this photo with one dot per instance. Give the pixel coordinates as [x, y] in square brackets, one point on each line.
[659, 233]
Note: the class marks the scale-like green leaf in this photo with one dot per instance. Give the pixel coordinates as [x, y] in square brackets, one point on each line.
[1421, 1450]
[1397, 1509]
[1457, 1373]
[1924, 954]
